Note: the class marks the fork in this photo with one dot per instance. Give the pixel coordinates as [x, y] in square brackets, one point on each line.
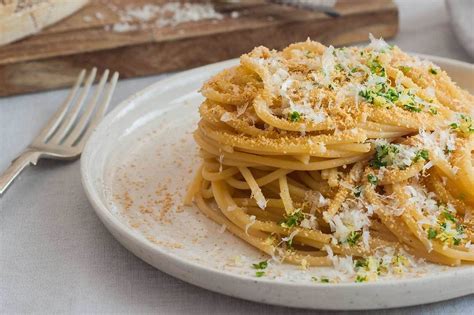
[64, 136]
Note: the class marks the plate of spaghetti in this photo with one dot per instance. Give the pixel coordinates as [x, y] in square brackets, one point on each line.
[313, 177]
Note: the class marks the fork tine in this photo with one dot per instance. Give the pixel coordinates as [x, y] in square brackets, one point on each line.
[81, 124]
[71, 116]
[56, 119]
[100, 112]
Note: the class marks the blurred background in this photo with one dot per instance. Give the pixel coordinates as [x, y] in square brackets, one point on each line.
[44, 43]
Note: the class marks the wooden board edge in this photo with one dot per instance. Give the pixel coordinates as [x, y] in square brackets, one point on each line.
[161, 57]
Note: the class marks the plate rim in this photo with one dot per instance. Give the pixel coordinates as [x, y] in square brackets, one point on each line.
[117, 227]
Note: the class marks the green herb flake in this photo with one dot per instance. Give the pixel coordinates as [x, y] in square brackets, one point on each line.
[293, 219]
[372, 179]
[295, 116]
[360, 278]
[361, 263]
[421, 154]
[456, 241]
[432, 233]
[449, 216]
[261, 265]
[433, 110]
[353, 237]
[433, 71]
[259, 274]
[321, 280]
[412, 107]
[376, 68]
[405, 69]
[464, 126]
[384, 155]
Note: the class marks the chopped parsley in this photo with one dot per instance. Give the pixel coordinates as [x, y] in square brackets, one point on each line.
[261, 265]
[361, 263]
[432, 233]
[456, 241]
[321, 280]
[360, 278]
[433, 110]
[454, 125]
[433, 71]
[421, 154]
[384, 155]
[353, 237]
[295, 116]
[412, 107]
[405, 69]
[293, 219]
[381, 95]
[449, 216]
[376, 68]
[464, 125]
[372, 179]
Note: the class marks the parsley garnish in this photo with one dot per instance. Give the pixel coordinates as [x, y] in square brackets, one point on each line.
[384, 155]
[421, 154]
[405, 69]
[432, 233]
[361, 263]
[261, 265]
[372, 179]
[464, 126]
[456, 241]
[353, 237]
[293, 219]
[322, 279]
[433, 71]
[295, 116]
[412, 107]
[361, 278]
[449, 216]
[380, 95]
[259, 274]
[376, 68]
[454, 125]
[433, 110]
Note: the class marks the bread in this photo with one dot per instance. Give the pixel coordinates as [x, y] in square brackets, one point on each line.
[21, 18]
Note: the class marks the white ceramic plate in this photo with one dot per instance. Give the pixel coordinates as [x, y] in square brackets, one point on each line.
[135, 170]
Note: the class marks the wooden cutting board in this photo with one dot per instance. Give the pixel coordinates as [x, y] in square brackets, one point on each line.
[54, 57]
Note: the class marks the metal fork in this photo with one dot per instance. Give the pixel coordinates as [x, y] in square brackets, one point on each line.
[64, 136]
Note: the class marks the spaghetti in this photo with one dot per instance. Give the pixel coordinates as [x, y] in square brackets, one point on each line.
[313, 154]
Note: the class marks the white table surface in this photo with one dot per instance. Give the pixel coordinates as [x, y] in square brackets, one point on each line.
[55, 254]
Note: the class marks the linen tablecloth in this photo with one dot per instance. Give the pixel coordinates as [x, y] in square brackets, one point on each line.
[57, 257]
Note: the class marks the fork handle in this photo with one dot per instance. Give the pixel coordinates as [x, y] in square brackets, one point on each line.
[26, 158]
